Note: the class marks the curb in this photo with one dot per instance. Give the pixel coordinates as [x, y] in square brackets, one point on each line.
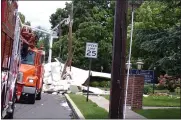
[74, 108]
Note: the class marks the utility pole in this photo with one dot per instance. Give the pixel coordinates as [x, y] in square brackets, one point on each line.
[69, 59]
[118, 61]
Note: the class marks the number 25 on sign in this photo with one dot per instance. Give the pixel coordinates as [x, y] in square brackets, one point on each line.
[91, 50]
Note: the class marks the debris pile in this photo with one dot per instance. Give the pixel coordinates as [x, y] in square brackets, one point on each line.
[52, 78]
[73, 79]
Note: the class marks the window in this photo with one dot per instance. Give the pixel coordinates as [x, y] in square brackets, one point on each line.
[29, 59]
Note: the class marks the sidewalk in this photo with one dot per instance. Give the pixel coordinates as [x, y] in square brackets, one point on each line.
[104, 103]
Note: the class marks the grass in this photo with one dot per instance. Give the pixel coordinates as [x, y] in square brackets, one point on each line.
[159, 101]
[106, 96]
[160, 113]
[89, 109]
[177, 91]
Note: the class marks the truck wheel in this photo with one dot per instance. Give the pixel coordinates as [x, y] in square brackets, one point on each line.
[10, 115]
[32, 98]
[2, 100]
[39, 95]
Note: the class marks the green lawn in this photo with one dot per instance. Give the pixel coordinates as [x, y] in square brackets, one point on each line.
[177, 91]
[106, 96]
[160, 113]
[89, 109]
[159, 101]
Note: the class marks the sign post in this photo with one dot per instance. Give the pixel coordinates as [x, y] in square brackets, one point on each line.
[91, 52]
[90, 64]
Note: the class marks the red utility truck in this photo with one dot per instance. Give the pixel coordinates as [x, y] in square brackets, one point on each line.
[31, 72]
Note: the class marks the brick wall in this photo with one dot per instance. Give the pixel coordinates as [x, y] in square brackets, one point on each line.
[135, 91]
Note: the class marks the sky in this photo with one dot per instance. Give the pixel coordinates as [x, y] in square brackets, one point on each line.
[39, 12]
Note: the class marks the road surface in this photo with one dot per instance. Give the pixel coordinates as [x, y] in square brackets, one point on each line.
[49, 107]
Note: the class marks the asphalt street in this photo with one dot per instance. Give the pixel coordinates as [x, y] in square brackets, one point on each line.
[49, 107]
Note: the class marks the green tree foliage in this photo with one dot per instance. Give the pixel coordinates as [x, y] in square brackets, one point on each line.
[59, 15]
[43, 39]
[157, 35]
[93, 22]
[22, 17]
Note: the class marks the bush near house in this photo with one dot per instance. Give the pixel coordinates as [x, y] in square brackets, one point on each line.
[160, 87]
[100, 82]
[169, 82]
[148, 89]
[94, 84]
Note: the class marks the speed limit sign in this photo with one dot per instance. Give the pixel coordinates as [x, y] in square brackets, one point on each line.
[91, 50]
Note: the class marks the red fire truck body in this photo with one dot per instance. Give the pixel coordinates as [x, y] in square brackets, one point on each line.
[10, 56]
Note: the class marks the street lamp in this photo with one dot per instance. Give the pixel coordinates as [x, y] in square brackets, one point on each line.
[128, 65]
[139, 64]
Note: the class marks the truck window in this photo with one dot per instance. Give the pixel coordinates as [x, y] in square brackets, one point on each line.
[29, 59]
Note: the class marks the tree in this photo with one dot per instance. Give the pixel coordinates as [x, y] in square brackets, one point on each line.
[22, 17]
[157, 31]
[43, 39]
[59, 15]
[156, 25]
[93, 23]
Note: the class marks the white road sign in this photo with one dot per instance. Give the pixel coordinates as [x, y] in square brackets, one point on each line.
[91, 50]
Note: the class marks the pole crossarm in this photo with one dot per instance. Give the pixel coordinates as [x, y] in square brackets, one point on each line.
[59, 24]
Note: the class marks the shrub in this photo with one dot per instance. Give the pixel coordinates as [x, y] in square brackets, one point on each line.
[94, 84]
[160, 87]
[108, 84]
[148, 89]
[171, 86]
[103, 84]
[169, 82]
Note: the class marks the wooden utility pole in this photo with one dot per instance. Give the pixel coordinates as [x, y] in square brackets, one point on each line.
[69, 59]
[118, 61]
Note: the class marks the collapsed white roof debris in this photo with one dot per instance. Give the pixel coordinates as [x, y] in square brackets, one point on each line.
[54, 83]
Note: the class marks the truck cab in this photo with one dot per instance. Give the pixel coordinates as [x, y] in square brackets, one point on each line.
[30, 78]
